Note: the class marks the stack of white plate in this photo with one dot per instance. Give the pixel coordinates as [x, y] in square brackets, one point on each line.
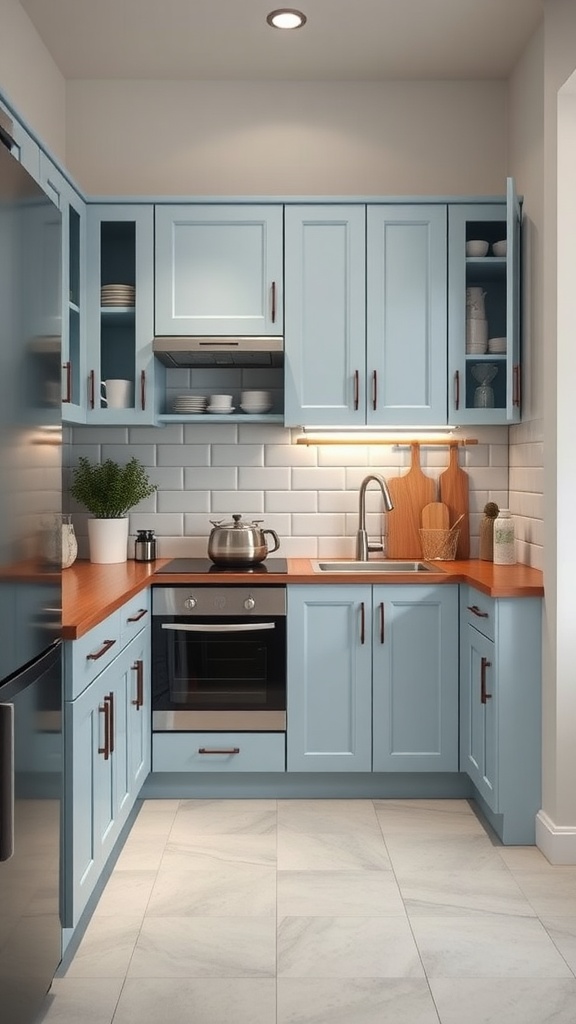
[189, 404]
[497, 345]
[118, 295]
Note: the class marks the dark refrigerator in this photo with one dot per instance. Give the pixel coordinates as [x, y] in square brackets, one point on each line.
[31, 758]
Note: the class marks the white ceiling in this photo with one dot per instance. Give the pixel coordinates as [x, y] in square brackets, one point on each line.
[343, 40]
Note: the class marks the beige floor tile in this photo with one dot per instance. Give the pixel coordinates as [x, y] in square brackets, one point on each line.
[223, 817]
[126, 892]
[81, 1001]
[106, 949]
[347, 947]
[505, 1000]
[225, 890]
[210, 851]
[331, 851]
[191, 1000]
[313, 816]
[339, 894]
[355, 1001]
[196, 947]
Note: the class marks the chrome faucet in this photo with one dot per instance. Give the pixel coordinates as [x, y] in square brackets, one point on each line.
[363, 546]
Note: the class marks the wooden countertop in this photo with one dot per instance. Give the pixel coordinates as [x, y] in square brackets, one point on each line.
[91, 591]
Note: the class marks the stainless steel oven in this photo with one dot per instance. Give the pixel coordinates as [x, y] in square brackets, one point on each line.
[219, 658]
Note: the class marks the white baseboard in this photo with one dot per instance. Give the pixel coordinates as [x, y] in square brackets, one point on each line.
[556, 842]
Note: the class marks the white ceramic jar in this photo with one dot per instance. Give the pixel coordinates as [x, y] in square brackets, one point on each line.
[504, 541]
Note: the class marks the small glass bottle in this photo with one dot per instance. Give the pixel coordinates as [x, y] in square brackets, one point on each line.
[504, 544]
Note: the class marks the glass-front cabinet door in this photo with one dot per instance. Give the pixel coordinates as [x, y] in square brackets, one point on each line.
[484, 383]
[121, 367]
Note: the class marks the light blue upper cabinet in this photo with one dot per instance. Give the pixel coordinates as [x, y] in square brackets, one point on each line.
[365, 337]
[484, 313]
[219, 270]
[406, 281]
[325, 315]
[120, 315]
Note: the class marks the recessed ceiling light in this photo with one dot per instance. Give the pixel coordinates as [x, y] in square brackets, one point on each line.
[286, 17]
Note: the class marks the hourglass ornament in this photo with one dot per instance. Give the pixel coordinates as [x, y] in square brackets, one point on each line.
[484, 373]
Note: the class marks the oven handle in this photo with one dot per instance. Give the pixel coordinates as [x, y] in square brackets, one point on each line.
[232, 627]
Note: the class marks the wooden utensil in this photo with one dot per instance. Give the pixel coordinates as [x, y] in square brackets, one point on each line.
[410, 494]
[435, 516]
[454, 487]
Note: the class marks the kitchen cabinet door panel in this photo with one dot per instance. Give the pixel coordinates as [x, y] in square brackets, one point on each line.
[415, 688]
[329, 669]
[325, 315]
[219, 270]
[406, 314]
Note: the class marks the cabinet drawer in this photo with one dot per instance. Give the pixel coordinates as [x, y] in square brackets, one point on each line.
[134, 616]
[87, 657]
[253, 752]
[479, 610]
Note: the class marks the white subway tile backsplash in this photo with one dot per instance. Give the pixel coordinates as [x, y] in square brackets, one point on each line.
[291, 455]
[321, 524]
[252, 478]
[291, 501]
[237, 455]
[321, 478]
[183, 455]
[245, 502]
[210, 478]
[183, 501]
[307, 493]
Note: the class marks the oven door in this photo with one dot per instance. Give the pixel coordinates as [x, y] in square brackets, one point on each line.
[225, 674]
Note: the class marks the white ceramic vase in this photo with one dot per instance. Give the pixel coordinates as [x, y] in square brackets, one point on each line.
[108, 539]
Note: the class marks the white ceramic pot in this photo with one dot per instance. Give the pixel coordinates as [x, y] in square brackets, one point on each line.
[108, 539]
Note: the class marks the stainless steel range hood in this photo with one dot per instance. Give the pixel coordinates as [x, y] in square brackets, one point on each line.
[234, 352]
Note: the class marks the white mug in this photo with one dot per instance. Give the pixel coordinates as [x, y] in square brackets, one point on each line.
[116, 394]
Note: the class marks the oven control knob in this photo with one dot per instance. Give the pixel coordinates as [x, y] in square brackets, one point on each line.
[190, 602]
[249, 604]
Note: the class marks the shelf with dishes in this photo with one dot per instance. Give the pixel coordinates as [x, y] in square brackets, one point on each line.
[233, 417]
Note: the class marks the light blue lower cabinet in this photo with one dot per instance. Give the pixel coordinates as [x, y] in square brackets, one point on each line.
[219, 752]
[107, 758]
[500, 709]
[372, 679]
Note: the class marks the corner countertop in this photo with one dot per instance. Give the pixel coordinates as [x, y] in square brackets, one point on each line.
[91, 592]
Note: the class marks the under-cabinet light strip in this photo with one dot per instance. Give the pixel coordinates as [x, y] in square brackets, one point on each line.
[437, 442]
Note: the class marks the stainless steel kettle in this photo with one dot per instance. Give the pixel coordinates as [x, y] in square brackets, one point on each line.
[238, 544]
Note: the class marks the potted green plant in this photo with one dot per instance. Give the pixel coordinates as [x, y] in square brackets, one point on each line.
[109, 491]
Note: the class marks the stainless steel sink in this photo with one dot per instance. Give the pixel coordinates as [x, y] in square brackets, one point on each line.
[387, 565]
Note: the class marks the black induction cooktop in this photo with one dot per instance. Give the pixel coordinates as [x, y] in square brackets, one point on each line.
[204, 565]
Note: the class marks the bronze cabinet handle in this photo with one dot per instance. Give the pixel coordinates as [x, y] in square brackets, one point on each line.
[143, 390]
[273, 302]
[98, 654]
[374, 389]
[109, 698]
[484, 696]
[381, 622]
[218, 750]
[457, 389]
[516, 384]
[104, 709]
[67, 367]
[362, 623]
[476, 611]
[138, 666]
[91, 389]
[356, 390]
[139, 615]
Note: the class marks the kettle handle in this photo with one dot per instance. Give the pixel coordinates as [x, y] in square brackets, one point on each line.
[276, 539]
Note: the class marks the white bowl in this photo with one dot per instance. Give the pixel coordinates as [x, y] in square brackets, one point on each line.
[476, 247]
[255, 396]
[255, 409]
[222, 410]
[500, 248]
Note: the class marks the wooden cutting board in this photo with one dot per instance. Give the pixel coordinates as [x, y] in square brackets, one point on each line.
[410, 494]
[435, 516]
[454, 486]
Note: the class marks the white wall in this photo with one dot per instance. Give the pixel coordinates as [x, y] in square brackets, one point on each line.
[30, 79]
[274, 138]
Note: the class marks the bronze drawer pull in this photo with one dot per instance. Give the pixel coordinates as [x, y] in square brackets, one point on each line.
[362, 623]
[273, 302]
[381, 622]
[139, 615]
[143, 390]
[484, 664]
[356, 390]
[476, 611]
[98, 654]
[374, 389]
[67, 367]
[91, 389]
[105, 710]
[138, 666]
[218, 750]
[109, 698]
[457, 389]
